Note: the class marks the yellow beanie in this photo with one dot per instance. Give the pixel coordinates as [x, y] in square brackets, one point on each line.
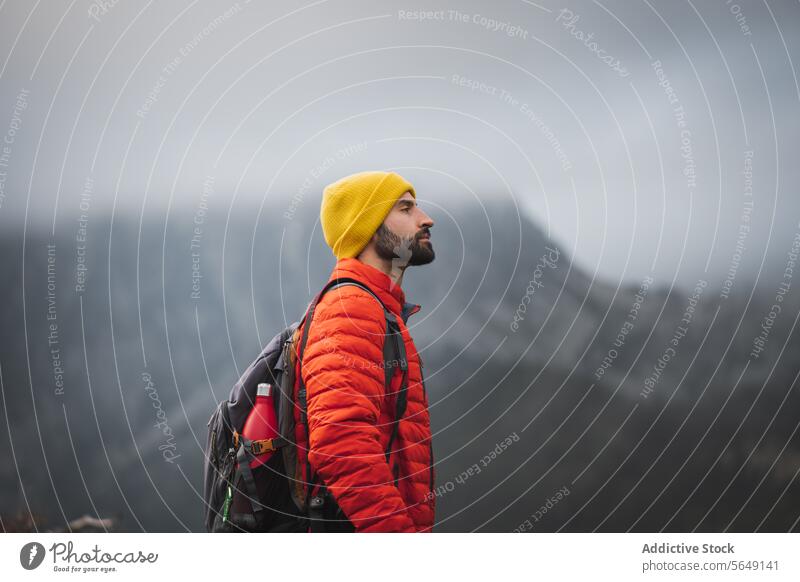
[355, 206]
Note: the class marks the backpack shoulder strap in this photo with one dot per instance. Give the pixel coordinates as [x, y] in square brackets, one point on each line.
[309, 315]
[394, 356]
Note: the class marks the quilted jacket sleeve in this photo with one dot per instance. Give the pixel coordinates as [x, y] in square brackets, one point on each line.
[342, 369]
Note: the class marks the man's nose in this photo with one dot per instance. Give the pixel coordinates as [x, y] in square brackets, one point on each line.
[426, 221]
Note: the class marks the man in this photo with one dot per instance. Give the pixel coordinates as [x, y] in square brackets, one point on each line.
[376, 230]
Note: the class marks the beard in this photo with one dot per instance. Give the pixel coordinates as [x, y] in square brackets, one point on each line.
[404, 251]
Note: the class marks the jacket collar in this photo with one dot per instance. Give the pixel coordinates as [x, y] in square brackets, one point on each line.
[379, 282]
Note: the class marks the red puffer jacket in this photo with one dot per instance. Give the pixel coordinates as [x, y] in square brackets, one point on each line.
[350, 415]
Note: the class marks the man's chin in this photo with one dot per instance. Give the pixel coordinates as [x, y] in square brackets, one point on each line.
[422, 256]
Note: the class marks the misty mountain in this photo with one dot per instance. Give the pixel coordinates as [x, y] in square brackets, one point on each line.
[520, 346]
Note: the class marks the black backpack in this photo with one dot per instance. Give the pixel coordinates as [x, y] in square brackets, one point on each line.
[268, 497]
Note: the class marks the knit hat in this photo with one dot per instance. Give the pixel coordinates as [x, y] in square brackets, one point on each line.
[355, 206]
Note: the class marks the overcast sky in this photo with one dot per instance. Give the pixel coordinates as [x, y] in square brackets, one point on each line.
[623, 128]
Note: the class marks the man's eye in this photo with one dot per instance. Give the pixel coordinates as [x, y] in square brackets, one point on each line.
[407, 209]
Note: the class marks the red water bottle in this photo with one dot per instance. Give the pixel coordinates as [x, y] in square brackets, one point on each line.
[262, 423]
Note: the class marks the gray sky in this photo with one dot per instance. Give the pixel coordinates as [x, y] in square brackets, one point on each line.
[570, 110]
